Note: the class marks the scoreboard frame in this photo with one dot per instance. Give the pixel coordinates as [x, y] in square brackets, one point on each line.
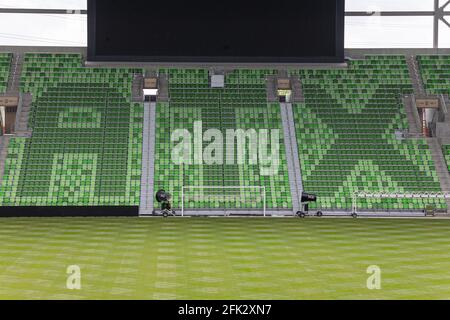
[94, 56]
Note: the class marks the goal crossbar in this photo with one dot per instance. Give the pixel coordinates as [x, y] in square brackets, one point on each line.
[261, 193]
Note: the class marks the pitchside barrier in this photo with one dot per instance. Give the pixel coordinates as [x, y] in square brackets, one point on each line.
[413, 202]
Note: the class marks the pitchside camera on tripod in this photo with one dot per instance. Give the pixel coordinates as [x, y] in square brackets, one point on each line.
[306, 198]
[165, 198]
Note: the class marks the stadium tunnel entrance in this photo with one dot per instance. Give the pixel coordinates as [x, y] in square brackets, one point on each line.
[8, 111]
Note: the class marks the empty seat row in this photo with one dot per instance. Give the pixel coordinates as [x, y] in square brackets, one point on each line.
[435, 72]
[86, 143]
[241, 185]
[346, 136]
[5, 67]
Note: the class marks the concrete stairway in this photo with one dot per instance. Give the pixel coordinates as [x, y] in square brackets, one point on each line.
[163, 90]
[23, 115]
[413, 117]
[148, 160]
[441, 166]
[292, 158]
[137, 87]
[447, 104]
[444, 141]
[297, 91]
[408, 101]
[414, 73]
[14, 77]
[4, 142]
[271, 89]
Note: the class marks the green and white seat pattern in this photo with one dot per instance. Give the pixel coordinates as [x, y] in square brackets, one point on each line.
[242, 104]
[346, 137]
[5, 67]
[85, 148]
[86, 142]
[435, 71]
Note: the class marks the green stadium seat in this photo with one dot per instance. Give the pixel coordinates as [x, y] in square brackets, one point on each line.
[241, 104]
[86, 145]
[435, 71]
[346, 137]
[5, 67]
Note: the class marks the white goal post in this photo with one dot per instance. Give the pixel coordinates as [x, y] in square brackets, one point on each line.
[223, 198]
[387, 195]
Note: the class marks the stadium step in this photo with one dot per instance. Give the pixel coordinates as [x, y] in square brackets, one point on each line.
[163, 88]
[414, 73]
[297, 90]
[271, 88]
[412, 116]
[15, 72]
[4, 142]
[137, 87]
[148, 159]
[441, 166]
[23, 112]
[292, 159]
[447, 107]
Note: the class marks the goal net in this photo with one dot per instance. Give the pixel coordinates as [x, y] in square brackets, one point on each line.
[383, 202]
[246, 199]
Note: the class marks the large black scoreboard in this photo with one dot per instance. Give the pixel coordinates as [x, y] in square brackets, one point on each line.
[216, 30]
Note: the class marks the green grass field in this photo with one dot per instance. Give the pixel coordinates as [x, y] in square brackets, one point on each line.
[218, 258]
